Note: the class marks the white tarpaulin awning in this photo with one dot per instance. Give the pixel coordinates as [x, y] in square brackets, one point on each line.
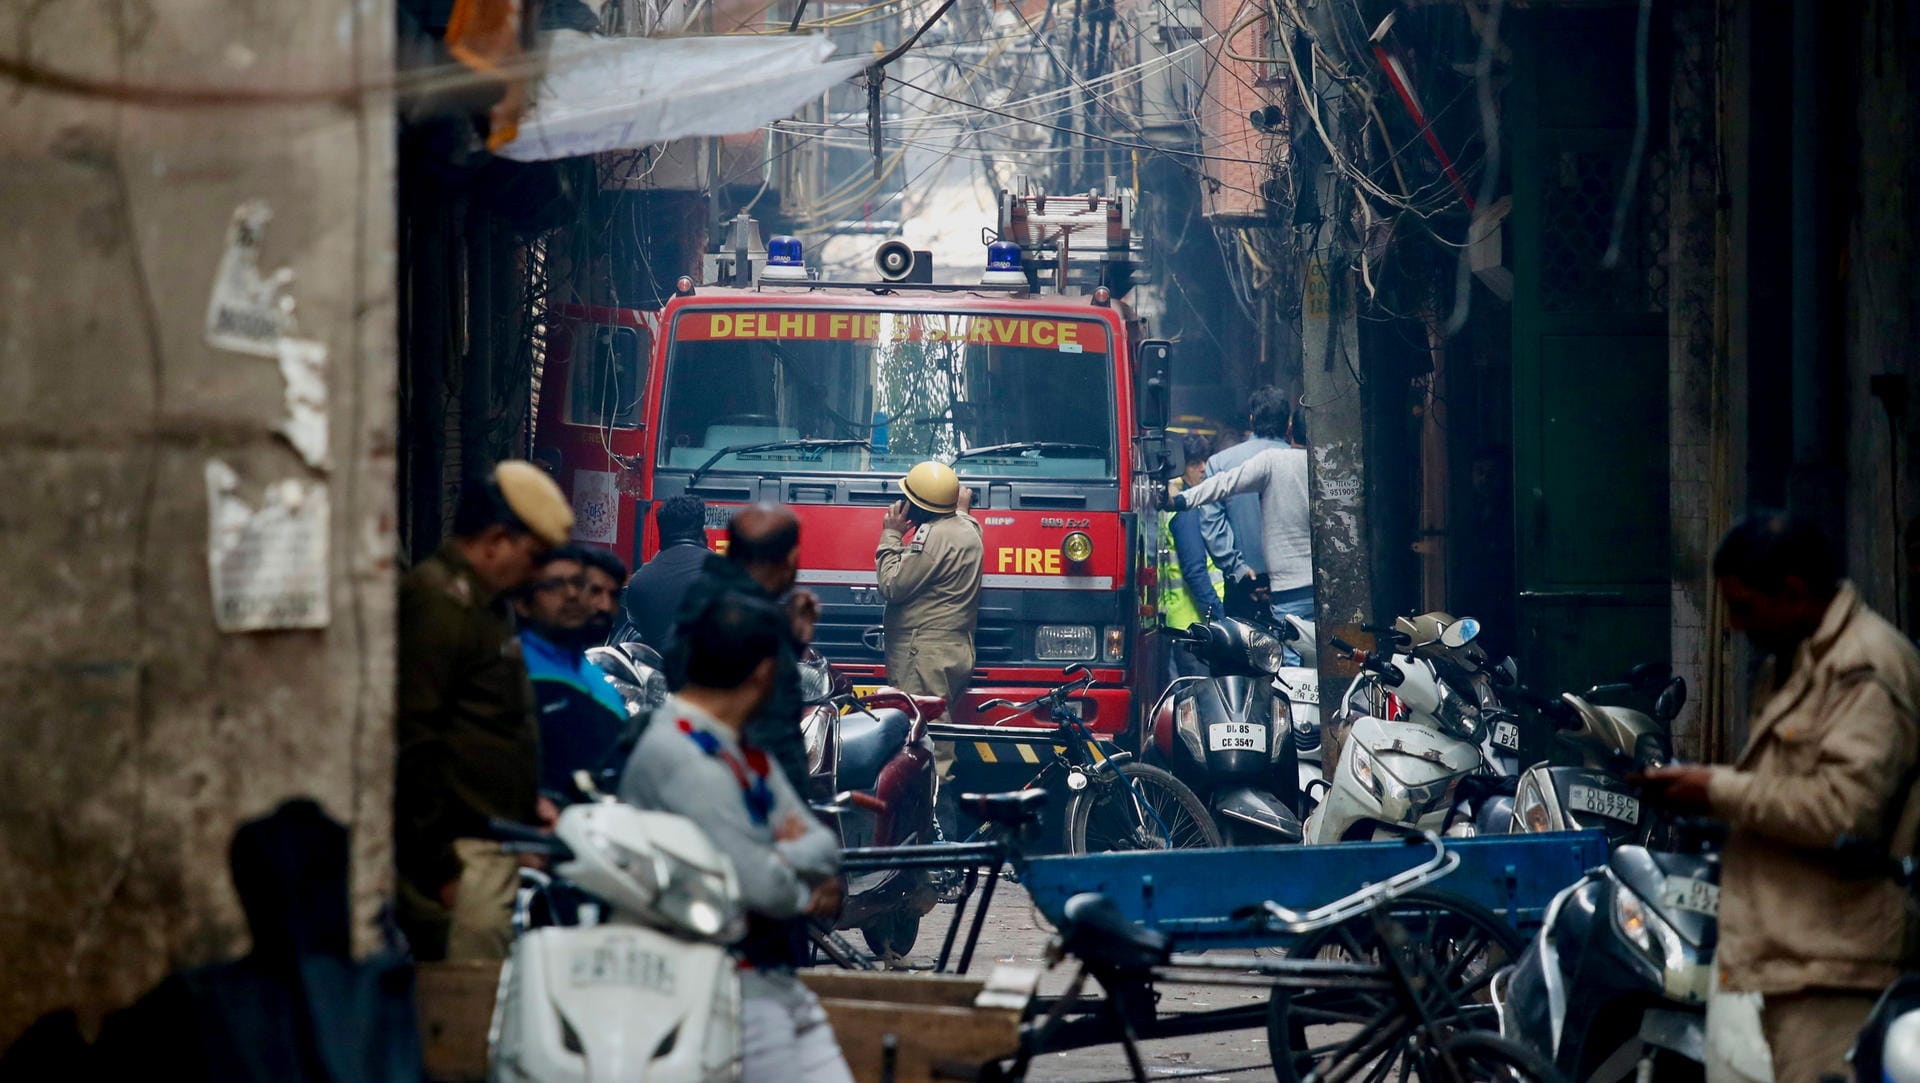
[601, 94]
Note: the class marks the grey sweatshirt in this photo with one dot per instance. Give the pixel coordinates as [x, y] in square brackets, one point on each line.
[690, 774]
[1231, 529]
[1279, 475]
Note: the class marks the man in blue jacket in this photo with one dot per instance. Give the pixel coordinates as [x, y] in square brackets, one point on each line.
[581, 714]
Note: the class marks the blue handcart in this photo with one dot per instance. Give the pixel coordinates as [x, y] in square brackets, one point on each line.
[1389, 947]
[1191, 895]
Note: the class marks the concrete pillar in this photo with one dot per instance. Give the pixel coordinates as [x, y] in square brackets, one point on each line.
[1698, 393]
[136, 734]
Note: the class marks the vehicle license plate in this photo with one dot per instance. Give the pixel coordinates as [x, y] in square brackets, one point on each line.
[1688, 893]
[1506, 735]
[1614, 806]
[625, 964]
[1236, 737]
[1303, 691]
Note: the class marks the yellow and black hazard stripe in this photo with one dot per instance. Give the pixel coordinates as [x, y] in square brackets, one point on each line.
[1014, 751]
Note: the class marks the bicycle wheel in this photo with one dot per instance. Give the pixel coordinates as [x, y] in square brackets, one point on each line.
[1480, 1057]
[1464, 942]
[1106, 816]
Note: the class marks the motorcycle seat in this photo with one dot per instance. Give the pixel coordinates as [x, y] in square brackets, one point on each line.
[1015, 809]
[868, 740]
[1093, 929]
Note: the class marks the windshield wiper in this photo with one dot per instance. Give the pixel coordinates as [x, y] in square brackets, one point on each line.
[1025, 445]
[808, 444]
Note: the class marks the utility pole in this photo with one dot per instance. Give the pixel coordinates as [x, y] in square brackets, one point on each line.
[1333, 389]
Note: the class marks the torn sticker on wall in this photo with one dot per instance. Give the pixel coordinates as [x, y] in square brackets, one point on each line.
[596, 506]
[303, 364]
[268, 565]
[249, 313]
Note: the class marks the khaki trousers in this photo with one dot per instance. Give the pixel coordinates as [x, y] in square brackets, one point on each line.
[479, 928]
[934, 664]
[1810, 1032]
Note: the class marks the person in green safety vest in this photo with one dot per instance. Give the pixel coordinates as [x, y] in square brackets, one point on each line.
[1190, 583]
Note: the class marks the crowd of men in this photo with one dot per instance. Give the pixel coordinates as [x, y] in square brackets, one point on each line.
[501, 710]
[499, 707]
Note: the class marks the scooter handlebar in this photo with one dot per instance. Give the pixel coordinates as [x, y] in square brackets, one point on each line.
[518, 838]
[1389, 674]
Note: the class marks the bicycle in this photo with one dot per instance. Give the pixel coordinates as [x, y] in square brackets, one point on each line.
[1115, 803]
[1430, 1007]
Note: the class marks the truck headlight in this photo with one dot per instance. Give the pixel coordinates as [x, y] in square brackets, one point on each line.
[1648, 930]
[1065, 643]
[1076, 547]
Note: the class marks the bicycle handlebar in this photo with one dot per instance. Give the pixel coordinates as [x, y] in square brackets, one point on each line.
[1272, 916]
[1054, 697]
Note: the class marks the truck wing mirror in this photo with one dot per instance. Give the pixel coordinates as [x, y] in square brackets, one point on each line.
[1155, 389]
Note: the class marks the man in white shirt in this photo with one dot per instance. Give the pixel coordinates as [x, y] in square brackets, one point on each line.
[1279, 476]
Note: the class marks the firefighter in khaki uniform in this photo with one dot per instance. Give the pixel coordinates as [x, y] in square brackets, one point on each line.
[932, 589]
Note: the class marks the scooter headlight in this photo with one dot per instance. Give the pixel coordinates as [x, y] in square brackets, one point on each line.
[1282, 725]
[1263, 652]
[695, 898]
[1374, 777]
[1530, 812]
[1648, 930]
[813, 731]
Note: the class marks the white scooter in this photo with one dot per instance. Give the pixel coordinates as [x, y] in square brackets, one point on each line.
[631, 981]
[1397, 776]
[1301, 686]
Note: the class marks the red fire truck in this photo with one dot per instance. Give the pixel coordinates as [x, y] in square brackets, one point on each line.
[767, 384]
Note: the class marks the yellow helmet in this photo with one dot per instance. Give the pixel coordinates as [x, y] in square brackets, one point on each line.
[933, 486]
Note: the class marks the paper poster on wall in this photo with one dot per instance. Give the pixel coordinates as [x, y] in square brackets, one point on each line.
[596, 507]
[268, 565]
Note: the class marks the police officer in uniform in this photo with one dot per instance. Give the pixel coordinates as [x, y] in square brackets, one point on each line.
[469, 745]
[932, 589]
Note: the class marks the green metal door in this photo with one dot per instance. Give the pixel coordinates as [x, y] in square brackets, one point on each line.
[1589, 357]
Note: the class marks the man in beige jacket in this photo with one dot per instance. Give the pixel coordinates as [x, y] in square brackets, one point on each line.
[1831, 752]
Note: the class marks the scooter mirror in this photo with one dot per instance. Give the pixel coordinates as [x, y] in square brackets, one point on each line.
[1507, 673]
[1648, 677]
[1672, 698]
[1459, 633]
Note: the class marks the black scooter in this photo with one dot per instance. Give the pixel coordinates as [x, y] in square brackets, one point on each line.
[1616, 981]
[1229, 736]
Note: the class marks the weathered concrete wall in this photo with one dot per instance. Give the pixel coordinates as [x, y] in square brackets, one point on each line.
[136, 736]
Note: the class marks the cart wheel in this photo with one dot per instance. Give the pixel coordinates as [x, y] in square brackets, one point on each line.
[1480, 1057]
[892, 934]
[1104, 817]
[1465, 942]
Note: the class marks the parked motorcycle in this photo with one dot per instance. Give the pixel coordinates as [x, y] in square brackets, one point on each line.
[1229, 735]
[632, 978]
[1615, 984]
[1598, 746]
[877, 749]
[1391, 776]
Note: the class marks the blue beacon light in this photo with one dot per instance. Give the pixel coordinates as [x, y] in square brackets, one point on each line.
[785, 261]
[1003, 265]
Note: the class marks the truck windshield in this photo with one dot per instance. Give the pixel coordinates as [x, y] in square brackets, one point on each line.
[997, 396]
